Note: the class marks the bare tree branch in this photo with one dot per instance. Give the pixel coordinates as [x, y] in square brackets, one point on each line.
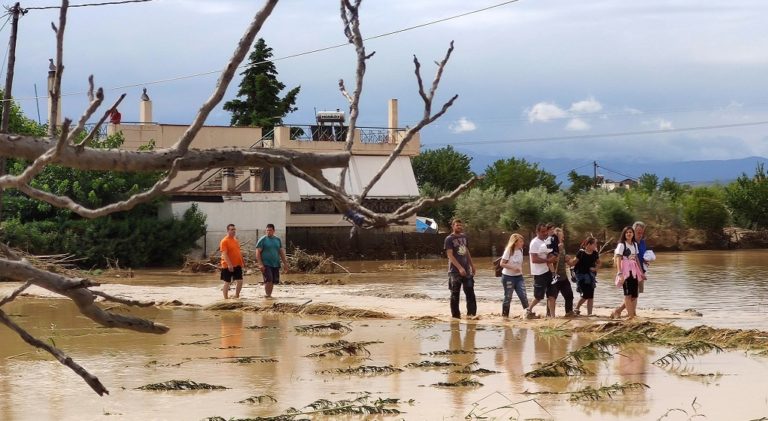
[63, 358]
[239, 54]
[15, 293]
[426, 119]
[126, 301]
[65, 202]
[95, 130]
[351, 18]
[30, 148]
[55, 92]
[39, 163]
[411, 208]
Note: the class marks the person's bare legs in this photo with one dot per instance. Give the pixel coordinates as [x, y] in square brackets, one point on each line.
[632, 307]
[268, 288]
[238, 287]
[581, 301]
[551, 302]
[225, 290]
[590, 302]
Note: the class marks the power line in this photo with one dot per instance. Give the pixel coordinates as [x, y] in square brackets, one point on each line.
[604, 135]
[88, 4]
[616, 172]
[304, 53]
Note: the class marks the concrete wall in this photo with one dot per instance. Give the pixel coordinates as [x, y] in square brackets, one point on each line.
[165, 135]
[250, 217]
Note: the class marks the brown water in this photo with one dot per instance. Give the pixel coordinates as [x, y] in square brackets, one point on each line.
[729, 288]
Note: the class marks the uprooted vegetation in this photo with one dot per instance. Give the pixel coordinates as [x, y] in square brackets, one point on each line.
[589, 393]
[300, 309]
[364, 370]
[333, 328]
[362, 405]
[342, 348]
[180, 385]
[685, 345]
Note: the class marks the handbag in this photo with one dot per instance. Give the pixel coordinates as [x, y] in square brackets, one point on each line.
[497, 267]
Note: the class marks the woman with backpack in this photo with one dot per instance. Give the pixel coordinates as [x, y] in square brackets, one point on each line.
[512, 273]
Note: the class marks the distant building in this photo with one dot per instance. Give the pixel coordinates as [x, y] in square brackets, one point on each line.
[610, 185]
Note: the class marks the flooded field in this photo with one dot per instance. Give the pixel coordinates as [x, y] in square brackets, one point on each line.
[262, 356]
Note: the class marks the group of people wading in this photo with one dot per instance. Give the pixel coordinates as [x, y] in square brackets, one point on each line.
[550, 267]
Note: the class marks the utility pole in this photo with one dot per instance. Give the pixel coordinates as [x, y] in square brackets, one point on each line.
[594, 172]
[15, 11]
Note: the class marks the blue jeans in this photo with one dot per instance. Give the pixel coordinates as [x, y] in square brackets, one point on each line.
[517, 284]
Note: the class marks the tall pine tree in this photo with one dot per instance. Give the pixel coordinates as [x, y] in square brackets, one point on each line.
[259, 102]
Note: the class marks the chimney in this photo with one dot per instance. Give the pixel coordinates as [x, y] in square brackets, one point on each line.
[255, 179]
[228, 179]
[392, 121]
[51, 77]
[145, 108]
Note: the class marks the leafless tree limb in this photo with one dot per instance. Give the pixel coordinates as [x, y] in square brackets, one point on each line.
[426, 119]
[63, 358]
[55, 93]
[126, 301]
[15, 293]
[239, 54]
[99, 123]
[65, 202]
[39, 163]
[351, 18]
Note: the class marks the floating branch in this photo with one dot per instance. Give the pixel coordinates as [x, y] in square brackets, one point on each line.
[431, 364]
[359, 406]
[364, 370]
[472, 368]
[341, 348]
[324, 328]
[448, 352]
[257, 327]
[686, 351]
[591, 394]
[465, 382]
[562, 367]
[251, 360]
[259, 399]
[181, 385]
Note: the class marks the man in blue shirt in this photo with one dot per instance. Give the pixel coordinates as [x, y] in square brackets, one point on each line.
[269, 253]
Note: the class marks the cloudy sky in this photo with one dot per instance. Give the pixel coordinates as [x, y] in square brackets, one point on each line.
[596, 79]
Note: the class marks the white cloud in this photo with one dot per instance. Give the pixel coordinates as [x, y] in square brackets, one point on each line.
[545, 111]
[587, 106]
[632, 111]
[664, 124]
[462, 125]
[576, 125]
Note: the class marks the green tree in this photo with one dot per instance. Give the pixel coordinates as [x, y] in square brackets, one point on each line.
[748, 198]
[579, 183]
[648, 182]
[526, 208]
[705, 209]
[672, 187]
[656, 209]
[260, 104]
[440, 213]
[513, 175]
[443, 168]
[481, 208]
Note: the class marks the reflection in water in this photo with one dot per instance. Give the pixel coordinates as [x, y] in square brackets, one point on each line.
[455, 343]
[231, 333]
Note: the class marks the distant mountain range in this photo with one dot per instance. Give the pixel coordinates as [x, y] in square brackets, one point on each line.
[688, 172]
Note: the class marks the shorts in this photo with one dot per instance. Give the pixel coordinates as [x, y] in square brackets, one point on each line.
[236, 274]
[585, 284]
[541, 284]
[271, 274]
[631, 287]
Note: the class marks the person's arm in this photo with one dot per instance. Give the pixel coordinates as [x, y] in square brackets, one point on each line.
[454, 262]
[284, 258]
[225, 256]
[258, 259]
[471, 265]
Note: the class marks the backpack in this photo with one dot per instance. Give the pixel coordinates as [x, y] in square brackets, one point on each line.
[497, 267]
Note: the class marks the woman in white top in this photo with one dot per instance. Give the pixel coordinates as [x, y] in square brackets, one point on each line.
[629, 275]
[512, 273]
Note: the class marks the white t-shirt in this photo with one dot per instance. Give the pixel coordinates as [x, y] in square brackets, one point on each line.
[515, 259]
[620, 249]
[538, 245]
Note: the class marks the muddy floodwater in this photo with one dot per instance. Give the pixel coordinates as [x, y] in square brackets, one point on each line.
[262, 355]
